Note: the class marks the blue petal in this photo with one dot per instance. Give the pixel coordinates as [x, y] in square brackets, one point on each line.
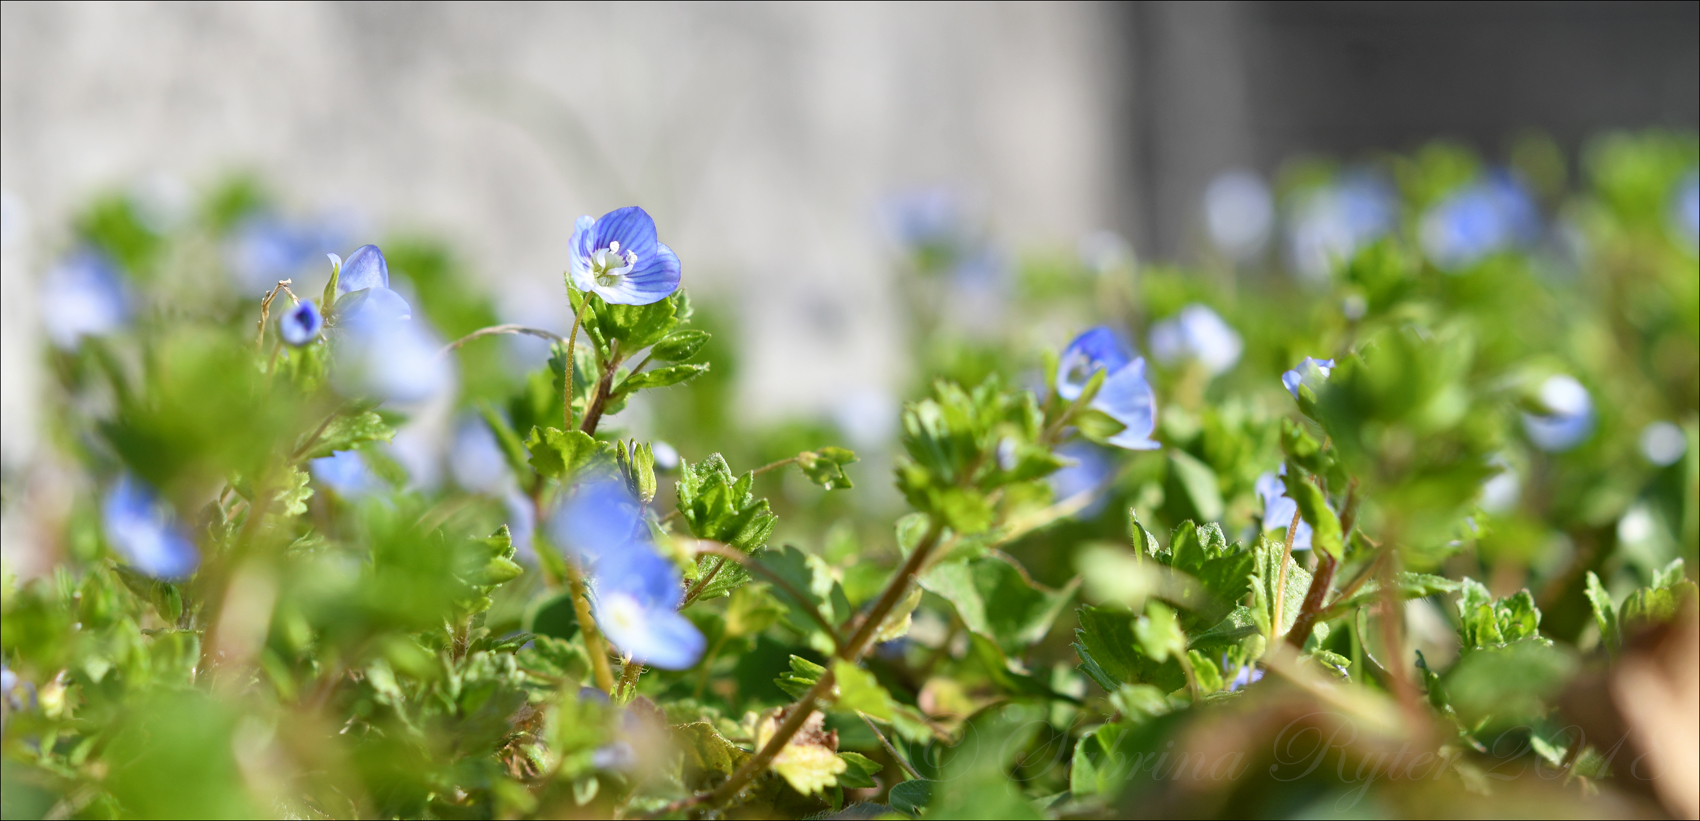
[601, 519]
[365, 268]
[654, 278]
[300, 325]
[1128, 399]
[143, 531]
[1096, 348]
[83, 296]
[387, 358]
[638, 571]
[373, 305]
[582, 246]
[344, 472]
[631, 227]
[658, 637]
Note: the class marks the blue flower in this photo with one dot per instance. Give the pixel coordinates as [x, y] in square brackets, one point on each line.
[300, 324]
[1125, 396]
[1310, 373]
[618, 258]
[345, 472]
[1238, 213]
[600, 517]
[1569, 418]
[1090, 471]
[145, 532]
[1197, 333]
[637, 598]
[1327, 225]
[82, 296]
[1246, 675]
[1478, 220]
[1278, 508]
[475, 458]
[266, 248]
[924, 219]
[1685, 209]
[381, 351]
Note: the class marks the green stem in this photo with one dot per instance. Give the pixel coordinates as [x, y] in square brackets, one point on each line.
[593, 644]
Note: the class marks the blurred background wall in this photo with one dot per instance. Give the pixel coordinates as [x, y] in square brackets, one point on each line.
[764, 137]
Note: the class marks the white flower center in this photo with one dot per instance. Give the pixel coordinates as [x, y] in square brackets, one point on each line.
[608, 265]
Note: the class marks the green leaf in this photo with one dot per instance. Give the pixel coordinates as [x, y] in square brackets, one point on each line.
[802, 675]
[975, 782]
[1407, 585]
[347, 432]
[859, 692]
[1313, 507]
[911, 797]
[1198, 482]
[1511, 683]
[825, 467]
[1159, 632]
[292, 498]
[679, 345]
[661, 377]
[1097, 425]
[751, 610]
[560, 455]
[720, 508]
[995, 600]
[1108, 651]
[1605, 613]
[859, 772]
[165, 598]
[708, 755]
[1208, 674]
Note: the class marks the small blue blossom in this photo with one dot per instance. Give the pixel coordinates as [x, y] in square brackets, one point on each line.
[1199, 334]
[82, 296]
[600, 517]
[1125, 396]
[1327, 225]
[666, 456]
[475, 458]
[1685, 209]
[1278, 508]
[618, 258]
[1569, 418]
[144, 531]
[1488, 216]
[345, 472]
[381, 351]
[1238, 213]
[1090, 470]
[637, 598]
[616, 756]
[300, 324]
[1246, 675]
[1311, 373]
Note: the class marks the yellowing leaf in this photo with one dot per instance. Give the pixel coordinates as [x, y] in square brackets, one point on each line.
[809, 761]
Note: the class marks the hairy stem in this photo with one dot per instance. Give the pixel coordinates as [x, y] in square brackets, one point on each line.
[593, 413]
[1319, 584]
[1281, 585]
[495, 330]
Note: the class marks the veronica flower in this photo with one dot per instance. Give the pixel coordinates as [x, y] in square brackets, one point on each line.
[145, 532]
[1569, 418]
[1328, 225]
[1685, 209]
[1238, 214]
[1279, 508]
[300, 324]
[475, 458]
[1090, 470]
[82, 296]
[637, 599]
[382, 352]
[1310, 373]
[1125, 395]
[1196, 333]
[1246, 675]
[600, 517]
[1478, 220]
[618, 258]
[345, 472]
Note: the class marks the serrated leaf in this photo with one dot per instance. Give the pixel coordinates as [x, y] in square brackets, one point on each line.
[825, 467]
[1605, 613]
[911, 797]
[1204, 669]
[859, 772]
[708, 755]
[720, 508]
[561, 455]
[996, 601]
[661, 377]
[347, 432]
[751, 610]
[679, 345]
[292, 499]
[802, 675]
[809, 762]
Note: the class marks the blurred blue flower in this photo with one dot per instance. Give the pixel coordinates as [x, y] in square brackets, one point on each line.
[1311, 373]
[599, 518]
[924, 219]
[17, 694]
[637, 598]
[1196, 333]
[1500, 491]
[1125, 396]
[266, 248]
[381, 352]
[618, 258]
[1278, 508]
[82, 296]
[1488, 216]
[1569, 418]
[1090, 470]
[1249, 674]
[613, 757]
[1238, 213]
[1663, 443]
[475, 458]
[300, 324]
[1327, 225]
[145, 533]
[345, 472]
[1685, 209]
[666, 456]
